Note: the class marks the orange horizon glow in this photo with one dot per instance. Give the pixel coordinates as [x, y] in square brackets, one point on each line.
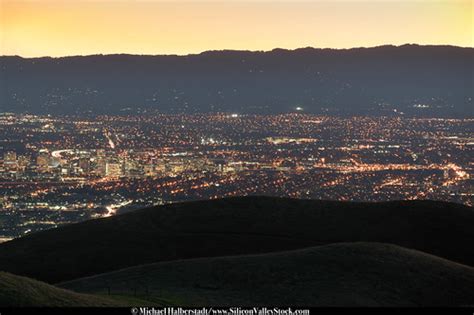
[55, 28]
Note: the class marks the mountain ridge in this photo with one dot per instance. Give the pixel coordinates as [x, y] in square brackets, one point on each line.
[321, 81]
[276, 49]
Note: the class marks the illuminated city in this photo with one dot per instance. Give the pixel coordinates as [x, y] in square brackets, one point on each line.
[244, 157]
[63, 169]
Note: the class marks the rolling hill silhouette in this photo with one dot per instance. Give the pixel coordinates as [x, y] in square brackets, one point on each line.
[21, 291]
[236, 226]
[343, 274]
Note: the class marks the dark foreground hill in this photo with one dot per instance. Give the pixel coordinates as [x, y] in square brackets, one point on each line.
[236, 226]
[22, 291]
[344, 274]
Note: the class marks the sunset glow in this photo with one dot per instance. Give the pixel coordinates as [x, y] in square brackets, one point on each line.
[59, 28]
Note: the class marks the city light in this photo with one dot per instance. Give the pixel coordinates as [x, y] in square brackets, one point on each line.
[96, 167]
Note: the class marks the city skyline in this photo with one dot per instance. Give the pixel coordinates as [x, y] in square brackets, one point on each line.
[75, 168]
[61, 28]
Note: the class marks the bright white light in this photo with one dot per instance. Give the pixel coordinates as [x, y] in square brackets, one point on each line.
[299, 108]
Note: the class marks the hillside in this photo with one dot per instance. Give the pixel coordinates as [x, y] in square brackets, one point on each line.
[20, 291]
[338, 81]
[236, 226]
[344, 274]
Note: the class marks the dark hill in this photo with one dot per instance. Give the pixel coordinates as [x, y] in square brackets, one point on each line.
[344, 274]
[18, 291]
[353, 81]
[236, 226]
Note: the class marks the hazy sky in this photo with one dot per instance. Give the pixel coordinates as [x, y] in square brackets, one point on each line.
[72, 27]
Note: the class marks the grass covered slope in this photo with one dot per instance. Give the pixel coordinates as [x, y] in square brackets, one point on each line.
[344, 274]
[236, 226]
[20, 291]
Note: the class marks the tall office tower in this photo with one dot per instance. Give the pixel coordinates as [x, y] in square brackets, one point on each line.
[113, 169]
[99, 166]
[9, 161]
[42, 161]
[23, 162]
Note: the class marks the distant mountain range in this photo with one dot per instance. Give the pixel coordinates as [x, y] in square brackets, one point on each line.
[412, 79]
[251, 251]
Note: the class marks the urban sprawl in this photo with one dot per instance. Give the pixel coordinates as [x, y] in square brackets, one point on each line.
[62, 169]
